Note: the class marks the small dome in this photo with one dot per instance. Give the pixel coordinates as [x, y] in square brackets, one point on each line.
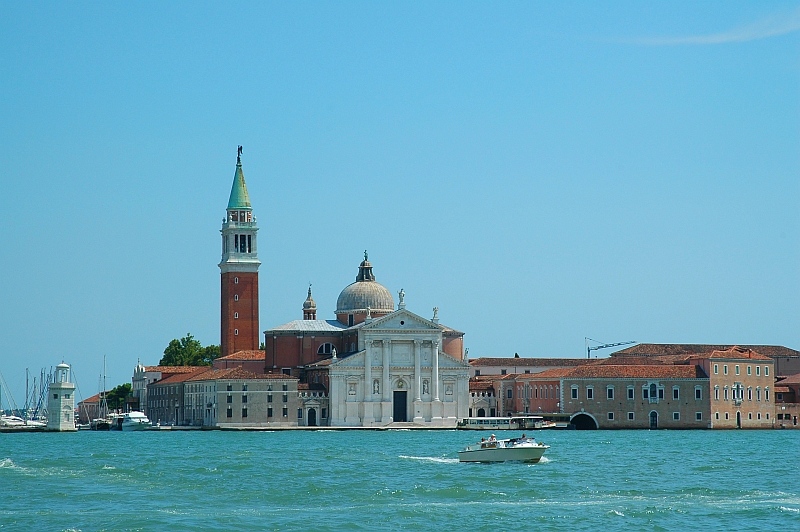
[365, 293]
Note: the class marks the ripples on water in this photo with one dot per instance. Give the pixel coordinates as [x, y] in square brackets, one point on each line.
[368, 480]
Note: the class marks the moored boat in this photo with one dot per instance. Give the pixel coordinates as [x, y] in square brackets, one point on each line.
[134, 421]
[510, 450]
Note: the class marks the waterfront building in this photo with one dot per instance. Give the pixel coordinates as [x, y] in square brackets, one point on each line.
[237, 398]
[143, 376]
[741, 383]
[787, 402]
[166, 398]
[631, 396]
[61, 401]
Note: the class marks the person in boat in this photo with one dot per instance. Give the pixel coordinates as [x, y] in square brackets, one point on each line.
[492, 438]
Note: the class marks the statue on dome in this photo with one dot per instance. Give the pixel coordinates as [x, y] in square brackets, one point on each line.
[401, 295]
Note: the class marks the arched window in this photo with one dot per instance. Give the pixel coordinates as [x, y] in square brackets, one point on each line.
[325, 349]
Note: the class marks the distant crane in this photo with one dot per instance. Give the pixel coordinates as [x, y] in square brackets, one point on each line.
[589, 348]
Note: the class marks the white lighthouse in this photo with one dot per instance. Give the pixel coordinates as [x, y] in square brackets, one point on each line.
[61, 401]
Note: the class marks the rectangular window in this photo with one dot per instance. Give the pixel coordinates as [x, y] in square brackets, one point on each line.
[758, 371]
[698, 416]
[758, 394]
[589, 392]
[676, 416]
[503, 372]
[766, 395]
[749, 370]
[285, 398]
[698, 392]
[55, 396]
[229, 388]
[736, 369]
[610, 392]
[645, 393]
[244, 387]
[477, 373]
[611, 416]
[299, 413]
[675, 393]
[574, 392]
[725, 393]
[630, 416]
[269, 411]
[269, 397]
[230, 412]
[716, 393]
[716, 415]
[716, 369]
[766, 371]
[244, 398]
[724, 369]
[285, 411]
[244, 412]
[749, 394]
[509, 393]
[630, 392]
[661, 393]
[285, 387]
[230, 398]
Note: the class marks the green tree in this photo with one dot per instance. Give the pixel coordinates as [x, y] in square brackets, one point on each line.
[117, 395]
[188, 352]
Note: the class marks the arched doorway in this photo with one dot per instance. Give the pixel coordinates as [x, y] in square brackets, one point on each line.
[738, 420]
[481, 412]
[584, 421]
[312, 417]
[653, 419]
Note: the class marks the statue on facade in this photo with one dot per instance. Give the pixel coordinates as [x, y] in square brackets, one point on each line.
[376, 386]
[435, 313]
[401, 296]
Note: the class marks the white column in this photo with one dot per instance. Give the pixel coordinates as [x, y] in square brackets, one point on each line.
[417, 371]
[387, 347]
[435, 371]
[368, 372]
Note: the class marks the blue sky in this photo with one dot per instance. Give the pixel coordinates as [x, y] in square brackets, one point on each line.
[541, 172]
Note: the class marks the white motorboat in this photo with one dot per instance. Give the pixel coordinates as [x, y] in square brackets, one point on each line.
[134, 421]
[16, 421]
[511, 450]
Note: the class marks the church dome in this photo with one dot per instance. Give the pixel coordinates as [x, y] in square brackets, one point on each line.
[365, 293]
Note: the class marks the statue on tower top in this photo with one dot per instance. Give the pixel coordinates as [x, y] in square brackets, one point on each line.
[239, 155]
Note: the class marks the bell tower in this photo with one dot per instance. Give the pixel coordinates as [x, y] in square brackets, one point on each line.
[239, 270]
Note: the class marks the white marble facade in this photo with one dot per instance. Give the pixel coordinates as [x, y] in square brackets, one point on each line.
[399, 374]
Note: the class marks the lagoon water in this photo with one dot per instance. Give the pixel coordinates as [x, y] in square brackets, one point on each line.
[390, 480]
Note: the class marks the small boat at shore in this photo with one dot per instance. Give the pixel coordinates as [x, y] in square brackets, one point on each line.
[510, 450]
[131, 421]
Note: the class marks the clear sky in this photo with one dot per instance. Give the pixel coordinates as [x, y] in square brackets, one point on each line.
[541, 172]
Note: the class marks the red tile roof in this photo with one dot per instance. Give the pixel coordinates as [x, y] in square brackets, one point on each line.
[684, 349]
[245, 355]
[554, 373]
[737, 353]
[791, 379]
[238, 373]
[480, 385]
[650, 371]
[173, 369]
[526, 361]
[782, 389]
[182, 377]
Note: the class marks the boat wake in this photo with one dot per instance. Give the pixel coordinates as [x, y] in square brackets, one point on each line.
[437, 459]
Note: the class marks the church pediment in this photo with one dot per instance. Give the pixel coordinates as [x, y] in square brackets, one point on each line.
[402, 320]
[448, 362]
[355, 360]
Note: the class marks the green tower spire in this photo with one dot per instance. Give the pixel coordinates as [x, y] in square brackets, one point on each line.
[239, 199]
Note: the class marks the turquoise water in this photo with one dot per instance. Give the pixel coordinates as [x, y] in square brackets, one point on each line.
[367, 480]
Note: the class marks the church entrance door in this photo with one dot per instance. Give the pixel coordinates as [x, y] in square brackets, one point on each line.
[312, 417]
[400, 406]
